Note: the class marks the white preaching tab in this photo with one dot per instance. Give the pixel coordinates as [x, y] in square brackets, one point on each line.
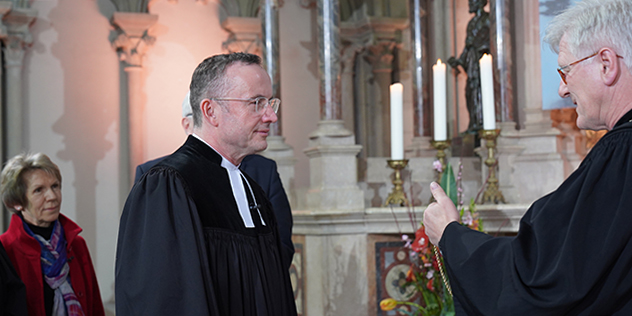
[235, 176]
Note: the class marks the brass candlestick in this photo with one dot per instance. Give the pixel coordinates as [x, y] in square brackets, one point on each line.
[397, 197]
[440, 146]
[492, 192]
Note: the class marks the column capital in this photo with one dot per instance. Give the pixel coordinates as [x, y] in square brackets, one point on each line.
[18, 36]
[5, 7]
[245, 34]
[133, 40]
[381, 55]
[380, 36]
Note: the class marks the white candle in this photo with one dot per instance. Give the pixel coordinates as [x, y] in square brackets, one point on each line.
[397, 121]
[487, 92]
[440, 117]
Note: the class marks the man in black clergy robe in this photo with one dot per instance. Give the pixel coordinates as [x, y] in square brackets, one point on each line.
[262, 170]
[573, 251]
[198, 236]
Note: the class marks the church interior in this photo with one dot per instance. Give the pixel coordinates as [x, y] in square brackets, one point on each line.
[97, 86]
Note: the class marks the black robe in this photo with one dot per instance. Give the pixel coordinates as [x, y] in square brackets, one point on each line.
[573, 251]
[183, 248]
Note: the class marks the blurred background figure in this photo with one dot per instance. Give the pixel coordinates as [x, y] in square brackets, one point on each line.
[44, 246]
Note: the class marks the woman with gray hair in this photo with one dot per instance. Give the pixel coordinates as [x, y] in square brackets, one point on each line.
[44, 246]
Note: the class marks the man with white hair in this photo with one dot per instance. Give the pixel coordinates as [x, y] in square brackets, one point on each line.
[573, 251]
[198, 236]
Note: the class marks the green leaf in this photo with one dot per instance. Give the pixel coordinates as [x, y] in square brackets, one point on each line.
[448, 183]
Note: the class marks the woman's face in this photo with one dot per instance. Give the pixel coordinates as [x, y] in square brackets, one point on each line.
[43, 195]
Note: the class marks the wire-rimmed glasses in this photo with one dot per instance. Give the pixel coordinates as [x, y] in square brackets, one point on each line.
[259, 103]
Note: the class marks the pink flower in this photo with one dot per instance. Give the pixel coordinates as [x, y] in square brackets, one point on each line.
[467, 218]
[437, 165]
[407, 240]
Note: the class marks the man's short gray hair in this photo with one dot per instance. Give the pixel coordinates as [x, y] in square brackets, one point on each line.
[591, 25]
[208, 79]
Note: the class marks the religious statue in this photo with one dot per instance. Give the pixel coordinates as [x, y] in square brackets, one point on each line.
[477, 43]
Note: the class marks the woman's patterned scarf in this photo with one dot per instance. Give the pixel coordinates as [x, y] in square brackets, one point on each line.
[55, 269]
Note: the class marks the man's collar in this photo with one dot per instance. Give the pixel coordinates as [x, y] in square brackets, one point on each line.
[209, 145]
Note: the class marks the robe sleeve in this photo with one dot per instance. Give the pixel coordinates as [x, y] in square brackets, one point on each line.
[573, 251]
[161, 262]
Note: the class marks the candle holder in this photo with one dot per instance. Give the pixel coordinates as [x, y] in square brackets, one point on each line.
[492, 192]
[397, 197]
[440, 146]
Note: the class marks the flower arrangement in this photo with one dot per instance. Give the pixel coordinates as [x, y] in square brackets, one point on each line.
[426, 272]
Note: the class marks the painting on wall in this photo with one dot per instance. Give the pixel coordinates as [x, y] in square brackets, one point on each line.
[550, 77]
[392, 263]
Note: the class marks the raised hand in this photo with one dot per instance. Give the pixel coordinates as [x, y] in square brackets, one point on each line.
[439, 214]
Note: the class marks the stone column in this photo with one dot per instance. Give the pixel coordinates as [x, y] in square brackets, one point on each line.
[384, 42]
[421, 121]
[500, 19]
[277, 149]
[5, 6]
[381, 58]
[131, 44]
[18, 38]
[529, 163]
[332, 150]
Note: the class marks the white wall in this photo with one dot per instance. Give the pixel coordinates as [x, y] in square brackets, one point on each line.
[71, 109]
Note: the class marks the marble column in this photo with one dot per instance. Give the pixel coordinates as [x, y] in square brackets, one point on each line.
[132, 44]
[277, 149]
[529, 163]
[501, 47]
[332, 149]
[421, 109]
[18, 38]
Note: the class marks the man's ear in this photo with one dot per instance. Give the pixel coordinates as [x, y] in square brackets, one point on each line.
[610, 66]
[187, 124]
[209, 109]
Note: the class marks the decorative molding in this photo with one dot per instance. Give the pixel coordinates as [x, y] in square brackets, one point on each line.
[18, 36]
[132, 6]
[133, 40]
[381, 56]
[5, 7]
[245, 35]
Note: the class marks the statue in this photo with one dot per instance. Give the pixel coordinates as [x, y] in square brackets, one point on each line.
[477, 43]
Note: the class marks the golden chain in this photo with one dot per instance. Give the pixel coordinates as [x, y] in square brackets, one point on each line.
[445, 281]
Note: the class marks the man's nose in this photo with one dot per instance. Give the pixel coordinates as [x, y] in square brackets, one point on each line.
[562, 90]
[269, 115]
